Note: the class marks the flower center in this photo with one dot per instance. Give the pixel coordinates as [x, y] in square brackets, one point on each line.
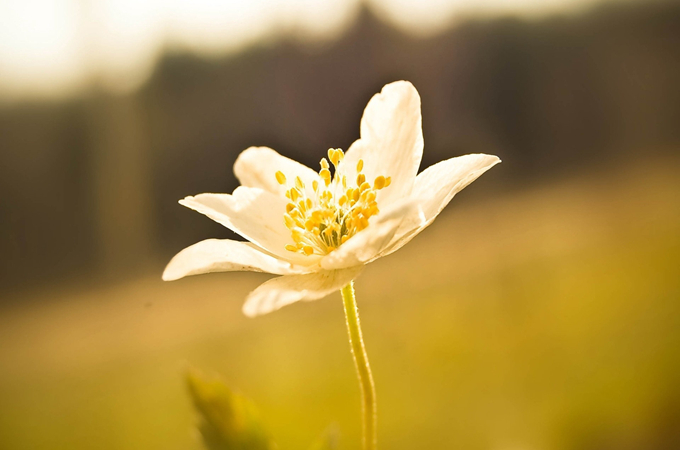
[337, 210]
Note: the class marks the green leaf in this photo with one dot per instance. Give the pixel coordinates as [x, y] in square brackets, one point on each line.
[228, 421]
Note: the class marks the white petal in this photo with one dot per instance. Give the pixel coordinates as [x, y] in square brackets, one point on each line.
[436, 186]
[391, 142]
[282, 291]
[257, 167]
[255, 214]
[224, 255]
[368, 243]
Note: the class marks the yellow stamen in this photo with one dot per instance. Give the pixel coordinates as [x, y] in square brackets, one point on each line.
[325, 175]
[335, 155]
[332, 214]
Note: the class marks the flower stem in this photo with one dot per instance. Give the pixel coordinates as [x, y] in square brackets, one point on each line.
[370, 417]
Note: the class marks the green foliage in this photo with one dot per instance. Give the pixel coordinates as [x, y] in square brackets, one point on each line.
[228, 421]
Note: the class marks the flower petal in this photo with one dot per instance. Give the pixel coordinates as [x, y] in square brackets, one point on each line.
[282, 291]
[255, 214]
[368, 243]
[224, 255]
[391, 142]
[257, 167]
[436, 186]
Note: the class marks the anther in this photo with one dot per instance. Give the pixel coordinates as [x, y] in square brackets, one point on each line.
[360, 165]
[334, 155]
[280, 177]
[325, 175]
[379, 182]
[360, 179]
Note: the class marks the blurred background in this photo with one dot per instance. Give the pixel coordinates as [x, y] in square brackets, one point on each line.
[541, 311]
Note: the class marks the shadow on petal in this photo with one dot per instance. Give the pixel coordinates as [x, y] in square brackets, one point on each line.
[282, 291]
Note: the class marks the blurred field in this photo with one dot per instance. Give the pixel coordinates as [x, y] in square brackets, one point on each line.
[544, 319]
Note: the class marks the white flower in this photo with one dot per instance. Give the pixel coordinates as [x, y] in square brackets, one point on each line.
[318, 230]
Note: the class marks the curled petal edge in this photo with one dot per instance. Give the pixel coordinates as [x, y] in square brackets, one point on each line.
[446, 178]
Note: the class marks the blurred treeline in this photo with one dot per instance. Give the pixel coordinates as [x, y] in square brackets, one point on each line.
[89, 185]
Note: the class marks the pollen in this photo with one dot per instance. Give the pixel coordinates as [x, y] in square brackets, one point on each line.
[322, 219]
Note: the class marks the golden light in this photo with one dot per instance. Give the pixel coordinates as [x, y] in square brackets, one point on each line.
[55, 48]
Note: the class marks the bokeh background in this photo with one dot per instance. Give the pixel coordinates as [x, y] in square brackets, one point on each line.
[539, 312]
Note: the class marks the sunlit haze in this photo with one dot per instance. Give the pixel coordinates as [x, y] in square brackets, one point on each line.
[52, 48]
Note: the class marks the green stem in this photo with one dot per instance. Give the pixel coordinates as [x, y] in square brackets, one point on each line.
[370, 417]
